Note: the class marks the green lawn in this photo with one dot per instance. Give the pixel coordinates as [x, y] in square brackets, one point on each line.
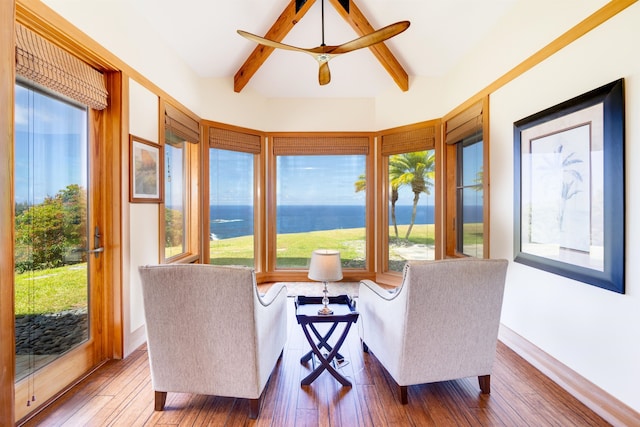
[64, 288]
[51, 290]
[294, 249]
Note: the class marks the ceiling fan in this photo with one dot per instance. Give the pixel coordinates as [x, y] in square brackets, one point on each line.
[324, 53]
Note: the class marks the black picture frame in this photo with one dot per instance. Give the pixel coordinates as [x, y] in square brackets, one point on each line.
[569, 188]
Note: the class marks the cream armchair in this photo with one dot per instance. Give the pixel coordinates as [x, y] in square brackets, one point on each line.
[440, 324]
[210, 332]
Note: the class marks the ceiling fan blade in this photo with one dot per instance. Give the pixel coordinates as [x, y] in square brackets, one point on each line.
[271, 43]
[372, 38]
[324, 75]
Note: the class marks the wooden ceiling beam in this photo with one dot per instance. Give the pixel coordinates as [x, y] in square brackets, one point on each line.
[361, 25]
[289, 18]
[285, 22]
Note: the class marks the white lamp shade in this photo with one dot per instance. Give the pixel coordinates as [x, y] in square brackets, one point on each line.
[325, 265]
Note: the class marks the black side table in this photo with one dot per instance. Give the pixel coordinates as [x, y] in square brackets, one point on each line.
[344, 311]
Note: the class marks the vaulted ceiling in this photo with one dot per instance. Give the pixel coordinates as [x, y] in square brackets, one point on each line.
[204, 34]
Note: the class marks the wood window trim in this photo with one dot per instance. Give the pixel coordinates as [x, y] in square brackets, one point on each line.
[403, 139]
[465, 123]
[336, 143]
[172, 118]
[235, 138]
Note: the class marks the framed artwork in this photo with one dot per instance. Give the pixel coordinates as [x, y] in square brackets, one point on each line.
[145, 171]
[569, 188]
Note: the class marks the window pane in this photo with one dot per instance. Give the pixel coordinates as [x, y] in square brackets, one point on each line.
[472, 222]
[51, 279]
[472, 164]
[174, 196]
[411, 208]
[231, 212]
[318, 207]
[470, 198]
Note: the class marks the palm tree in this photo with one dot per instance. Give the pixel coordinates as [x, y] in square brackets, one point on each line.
[416, 169]
[361, 185]
[571, 177]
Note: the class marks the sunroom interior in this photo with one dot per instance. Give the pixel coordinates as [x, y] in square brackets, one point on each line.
[242, 178]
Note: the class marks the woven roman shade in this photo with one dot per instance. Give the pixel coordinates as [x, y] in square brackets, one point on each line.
[48, 65]
[464, 124]
[227, 139]
[409, 141]
[320, 145]
[181, 125]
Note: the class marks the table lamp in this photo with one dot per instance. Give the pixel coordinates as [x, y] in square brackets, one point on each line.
[325, 267]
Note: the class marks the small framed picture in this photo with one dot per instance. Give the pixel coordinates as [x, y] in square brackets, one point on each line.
[145, 166]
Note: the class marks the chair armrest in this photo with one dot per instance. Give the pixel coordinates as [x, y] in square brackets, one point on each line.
[270, 314]
[382, 322]
[272, 294]
[379, 290]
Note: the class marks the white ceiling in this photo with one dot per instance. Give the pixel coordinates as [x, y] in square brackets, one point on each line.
[203, 34]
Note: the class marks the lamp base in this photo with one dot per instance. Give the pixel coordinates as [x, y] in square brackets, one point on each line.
[325, 311]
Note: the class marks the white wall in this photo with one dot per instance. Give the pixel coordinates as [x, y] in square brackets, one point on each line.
[593, 331]
[143, 240]
[112, 24]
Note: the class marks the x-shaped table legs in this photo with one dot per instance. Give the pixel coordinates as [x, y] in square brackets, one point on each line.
[325, 361]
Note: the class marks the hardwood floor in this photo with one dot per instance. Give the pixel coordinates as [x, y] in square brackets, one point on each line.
[119, 394]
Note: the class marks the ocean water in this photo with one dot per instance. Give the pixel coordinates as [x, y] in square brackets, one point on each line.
[235, 221]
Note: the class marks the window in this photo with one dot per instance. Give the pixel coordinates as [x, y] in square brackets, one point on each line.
[317, 202]
[231, 207]
[470, 200]
[174, 196]
[318, 207]
[180, 210]
[466, 231]
[409, 162]
[234, 193]
[411, 208]
[51, 228]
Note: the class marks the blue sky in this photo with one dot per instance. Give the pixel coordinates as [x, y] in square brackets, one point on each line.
[302, 180]
[55, 156]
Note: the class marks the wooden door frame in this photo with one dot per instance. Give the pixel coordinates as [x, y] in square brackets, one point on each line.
[7, 317]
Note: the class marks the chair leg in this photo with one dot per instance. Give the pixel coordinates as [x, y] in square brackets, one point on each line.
[403, 394]
[161, 399]
[254, 407]
[485, 383]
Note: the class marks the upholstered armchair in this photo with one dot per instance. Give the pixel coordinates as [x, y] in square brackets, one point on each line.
[440, 324]
[210, 332]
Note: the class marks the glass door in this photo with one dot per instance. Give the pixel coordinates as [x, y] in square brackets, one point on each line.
[57, 243]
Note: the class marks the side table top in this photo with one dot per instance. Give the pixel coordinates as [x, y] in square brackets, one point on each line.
[344, 309]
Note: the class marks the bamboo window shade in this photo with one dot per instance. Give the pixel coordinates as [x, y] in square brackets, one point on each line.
[464, 124]
[320, 145]
[227, 139]
[48, 65]
[409, 141]
[181, 125]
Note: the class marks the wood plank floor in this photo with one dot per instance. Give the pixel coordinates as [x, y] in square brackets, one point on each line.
[119, 394]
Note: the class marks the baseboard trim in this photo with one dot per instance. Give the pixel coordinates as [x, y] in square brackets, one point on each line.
[601, 402]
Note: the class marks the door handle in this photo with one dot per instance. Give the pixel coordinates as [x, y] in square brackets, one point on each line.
[95, 251]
